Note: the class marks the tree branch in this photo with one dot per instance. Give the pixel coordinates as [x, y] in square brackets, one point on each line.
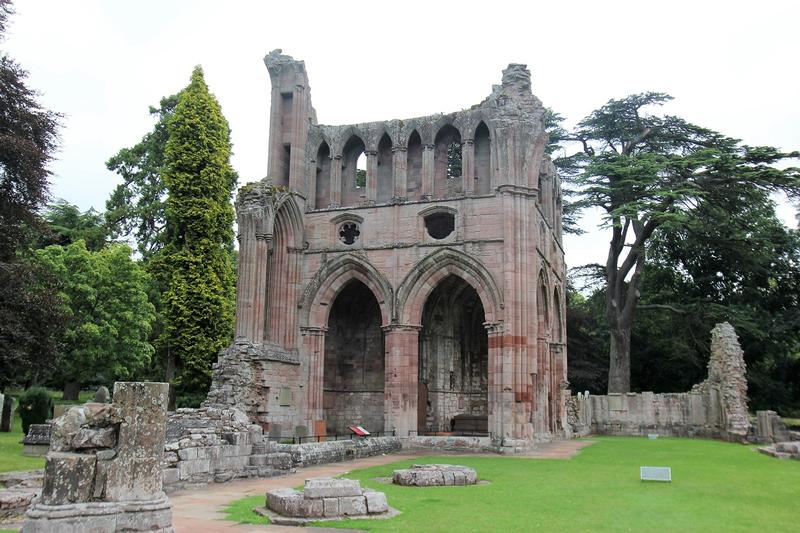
[664, 307]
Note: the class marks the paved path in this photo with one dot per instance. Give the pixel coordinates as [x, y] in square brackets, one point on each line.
[200, 510]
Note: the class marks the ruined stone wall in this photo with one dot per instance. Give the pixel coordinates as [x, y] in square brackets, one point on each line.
[716, 408]
[469, 194]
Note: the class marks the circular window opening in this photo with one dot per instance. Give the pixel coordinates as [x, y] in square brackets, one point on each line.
[440, 225]
[349, 232]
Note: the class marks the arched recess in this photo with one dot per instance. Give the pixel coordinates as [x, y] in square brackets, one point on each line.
[385, 182]
[353, 182]
[483, 163]
[447, 162]
[284, 273]
[453, 360]
[542, 307]
[323, 176]
[414, 166]
[329, 280]
[353, 371]
[427, 273]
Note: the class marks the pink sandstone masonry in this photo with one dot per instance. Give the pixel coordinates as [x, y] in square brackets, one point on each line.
[404, 275]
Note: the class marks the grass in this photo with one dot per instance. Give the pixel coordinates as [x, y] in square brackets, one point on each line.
[11, 457]
[716, 486]
[241, 511]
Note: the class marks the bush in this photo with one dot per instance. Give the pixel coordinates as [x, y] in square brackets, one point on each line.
[35, 407]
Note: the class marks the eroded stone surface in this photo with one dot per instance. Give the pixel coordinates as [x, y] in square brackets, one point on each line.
[328, 498]
[432, 475]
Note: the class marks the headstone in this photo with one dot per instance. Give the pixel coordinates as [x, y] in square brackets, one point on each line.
[2, 410]
[102, 395]
[8, 414]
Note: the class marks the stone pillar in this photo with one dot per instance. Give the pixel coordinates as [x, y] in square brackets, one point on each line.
[428, 170]
[501, 392]
[401, 344]
[104, 470]
[250, 222]
[299, 134]
[275, 137]
[314, 343]
[468, 166]
[336, 181]
[372, 176]
[399, 171]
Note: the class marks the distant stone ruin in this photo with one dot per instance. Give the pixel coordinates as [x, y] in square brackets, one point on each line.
[103, 471]
[715, 408]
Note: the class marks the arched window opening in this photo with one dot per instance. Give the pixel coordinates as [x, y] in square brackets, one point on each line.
[385, 182]
[323, 177]
[447, 162]
[414, 166]
[483, 165]
[354, 171]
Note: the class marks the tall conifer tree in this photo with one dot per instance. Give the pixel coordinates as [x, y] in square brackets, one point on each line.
[195, 264]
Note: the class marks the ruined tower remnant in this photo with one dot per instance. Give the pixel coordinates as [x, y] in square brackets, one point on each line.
[403, 275]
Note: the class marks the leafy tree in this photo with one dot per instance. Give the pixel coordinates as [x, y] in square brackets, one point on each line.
[648, 172]
[28, 136]
[136, 208]
[66, 224]
[195, 264]
[108, 315]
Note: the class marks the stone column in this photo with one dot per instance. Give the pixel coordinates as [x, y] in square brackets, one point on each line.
[501, 392]
[372, 176]
[253, 264]
[427, 170]
[336, 181]
[136, 475]
[314, 346]
[299, 133]
[401, 345]
[275, 140]
[399, 171]
[468, 166]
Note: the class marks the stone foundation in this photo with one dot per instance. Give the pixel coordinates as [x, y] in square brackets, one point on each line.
[327, 498]
[435, 475]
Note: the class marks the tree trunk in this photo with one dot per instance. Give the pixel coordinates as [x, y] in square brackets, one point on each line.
[619, 367]
[71, 390]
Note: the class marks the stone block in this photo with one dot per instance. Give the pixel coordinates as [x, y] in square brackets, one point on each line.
[68, 478]
[330, 507]
[376, 502]
[188, 469]
[170, 476]
[352, 506]
[95, 437]
[318, 488]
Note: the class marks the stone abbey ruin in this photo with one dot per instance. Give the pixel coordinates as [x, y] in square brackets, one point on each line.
[423, 295]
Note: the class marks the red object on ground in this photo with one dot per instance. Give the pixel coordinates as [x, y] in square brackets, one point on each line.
[358, 430]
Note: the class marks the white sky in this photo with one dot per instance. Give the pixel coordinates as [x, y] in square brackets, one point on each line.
[731, 66]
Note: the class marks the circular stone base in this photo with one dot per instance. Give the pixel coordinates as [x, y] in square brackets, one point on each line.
[435, 476]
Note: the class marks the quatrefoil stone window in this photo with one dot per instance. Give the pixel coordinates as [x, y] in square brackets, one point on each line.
[349, 232]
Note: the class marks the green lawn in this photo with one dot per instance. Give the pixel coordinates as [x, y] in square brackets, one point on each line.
[11, 457]
[716, 487]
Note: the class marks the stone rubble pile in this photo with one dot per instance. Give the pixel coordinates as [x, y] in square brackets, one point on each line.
[327, 498]
[19, 491]
[435, 475]
[783, 450]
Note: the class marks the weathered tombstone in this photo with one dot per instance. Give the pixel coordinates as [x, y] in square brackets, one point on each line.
[2, 409]
[102, 395]
[103, 470]
[8, 414]
[655, 473]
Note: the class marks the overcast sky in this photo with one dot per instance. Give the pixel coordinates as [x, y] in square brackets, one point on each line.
[731, 66]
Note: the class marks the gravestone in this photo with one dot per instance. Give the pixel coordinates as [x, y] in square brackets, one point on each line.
[102, 395]
[7, 415]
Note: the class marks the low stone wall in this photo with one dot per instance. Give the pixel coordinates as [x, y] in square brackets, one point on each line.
[449, 444]
[215, 444]
[315, 453]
